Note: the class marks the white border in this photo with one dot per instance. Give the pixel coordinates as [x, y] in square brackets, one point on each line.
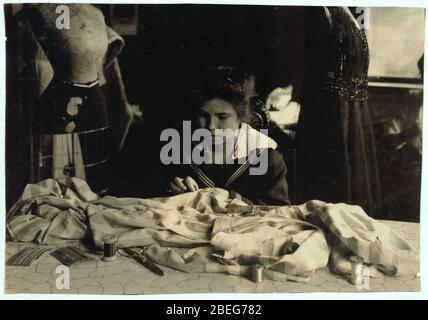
[235, 296]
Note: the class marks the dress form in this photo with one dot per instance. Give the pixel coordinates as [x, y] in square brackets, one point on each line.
[76, 54]
[71, 122]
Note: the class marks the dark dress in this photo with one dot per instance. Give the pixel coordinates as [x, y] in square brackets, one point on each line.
[336, 151]
[270, 188]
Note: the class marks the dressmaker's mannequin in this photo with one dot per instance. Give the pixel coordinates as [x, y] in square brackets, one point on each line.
[73, 102]
[71, 114]
[76, 54]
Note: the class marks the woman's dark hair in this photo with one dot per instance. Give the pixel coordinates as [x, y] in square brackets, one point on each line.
[230, 84]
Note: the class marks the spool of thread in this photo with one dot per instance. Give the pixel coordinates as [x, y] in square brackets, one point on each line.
[256, 273]
[357, 270]
[109, 247]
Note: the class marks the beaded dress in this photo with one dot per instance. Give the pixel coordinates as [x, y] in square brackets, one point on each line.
[336, 154]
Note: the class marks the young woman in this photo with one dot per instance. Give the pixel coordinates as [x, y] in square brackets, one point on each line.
[223, 104]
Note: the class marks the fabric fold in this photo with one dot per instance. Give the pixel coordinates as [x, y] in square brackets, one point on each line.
[289, 242]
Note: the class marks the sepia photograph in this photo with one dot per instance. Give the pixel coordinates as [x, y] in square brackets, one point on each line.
[158, 149]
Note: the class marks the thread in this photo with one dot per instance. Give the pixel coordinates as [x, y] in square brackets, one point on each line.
[109, 247]
[256, 273]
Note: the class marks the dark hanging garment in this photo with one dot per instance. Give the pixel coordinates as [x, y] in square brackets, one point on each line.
[336, 153]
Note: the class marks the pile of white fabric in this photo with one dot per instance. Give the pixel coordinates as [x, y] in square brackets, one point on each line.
[219, 234]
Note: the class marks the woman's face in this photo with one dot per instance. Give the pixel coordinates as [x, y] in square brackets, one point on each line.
[218, 114]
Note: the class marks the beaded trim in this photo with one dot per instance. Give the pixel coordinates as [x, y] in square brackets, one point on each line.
[353, 88]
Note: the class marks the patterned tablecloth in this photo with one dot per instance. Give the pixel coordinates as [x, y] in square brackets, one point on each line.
[126, 276]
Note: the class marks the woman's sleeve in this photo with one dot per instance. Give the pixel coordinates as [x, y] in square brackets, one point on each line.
[275, 189]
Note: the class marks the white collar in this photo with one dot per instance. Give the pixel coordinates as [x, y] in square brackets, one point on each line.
[249, 140]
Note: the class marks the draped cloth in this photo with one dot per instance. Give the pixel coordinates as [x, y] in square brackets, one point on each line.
[209, 231]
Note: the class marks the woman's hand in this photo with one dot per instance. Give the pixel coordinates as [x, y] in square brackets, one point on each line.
[180, 185]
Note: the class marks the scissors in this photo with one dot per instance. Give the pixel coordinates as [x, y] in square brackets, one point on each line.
[138, 255]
